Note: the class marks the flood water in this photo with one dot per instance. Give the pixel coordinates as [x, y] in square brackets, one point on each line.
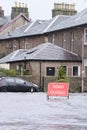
[32, 111]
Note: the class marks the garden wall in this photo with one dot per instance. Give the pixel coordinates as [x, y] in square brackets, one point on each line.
[75, 83]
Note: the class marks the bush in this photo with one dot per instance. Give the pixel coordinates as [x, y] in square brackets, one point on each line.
[63, 80]
[25, 72]
[61, 75]
[12, 73]
[18, 72]
[6, 72]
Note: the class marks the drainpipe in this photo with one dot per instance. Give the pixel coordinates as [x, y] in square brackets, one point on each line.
[25, 62]
[40, 74]
[82, 89]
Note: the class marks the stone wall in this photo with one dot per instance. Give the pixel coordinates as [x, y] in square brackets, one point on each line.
[70, 39]
[13, 25]
[75, 83]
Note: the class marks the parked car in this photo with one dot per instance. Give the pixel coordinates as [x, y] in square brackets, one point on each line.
[14, 84]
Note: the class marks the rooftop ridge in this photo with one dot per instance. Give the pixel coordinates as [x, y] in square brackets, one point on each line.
[14, 55]
[68, 51]
[50, 24]
[29, 26]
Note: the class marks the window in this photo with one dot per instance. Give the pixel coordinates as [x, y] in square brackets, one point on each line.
[85, 36]
[72, 41]
[65, 68]
[85, 70]
[46, 39]
[76, 70]
[19, 81]
[64, 40]
[53, 38]
[85, 66]
[50, 71]
[10, 80]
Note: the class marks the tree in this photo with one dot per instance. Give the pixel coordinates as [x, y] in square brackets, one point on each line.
[61, 74]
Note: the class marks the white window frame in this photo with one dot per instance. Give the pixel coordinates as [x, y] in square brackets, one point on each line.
[85, 65]
[85, 35]
[64, 40]
[85, 73]
[78, 71]
[72, 41]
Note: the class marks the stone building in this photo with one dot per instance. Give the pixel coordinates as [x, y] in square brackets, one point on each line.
[65, 31]
[19, 16]
[43, 61]
[18, 21]
[45, 55]
[68, 32]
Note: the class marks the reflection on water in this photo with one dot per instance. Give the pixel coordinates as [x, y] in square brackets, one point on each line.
[66, 127]
[34, 126]
[67, 122]
[25, 111]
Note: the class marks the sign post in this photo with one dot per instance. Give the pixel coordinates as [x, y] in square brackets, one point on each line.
[58, 89]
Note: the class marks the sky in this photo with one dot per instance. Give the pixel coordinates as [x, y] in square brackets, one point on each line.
[41, 9]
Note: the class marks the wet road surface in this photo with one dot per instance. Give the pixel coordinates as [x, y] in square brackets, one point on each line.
[32, 111]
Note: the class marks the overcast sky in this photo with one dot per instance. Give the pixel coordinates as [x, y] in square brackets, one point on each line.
[40, 9]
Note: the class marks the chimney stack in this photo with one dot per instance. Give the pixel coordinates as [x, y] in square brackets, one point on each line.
[1, 12]
[19, 8]
[63, 9]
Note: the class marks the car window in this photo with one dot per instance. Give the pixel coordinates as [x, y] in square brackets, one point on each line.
[10, 80]
[0, 79]
[19, 81]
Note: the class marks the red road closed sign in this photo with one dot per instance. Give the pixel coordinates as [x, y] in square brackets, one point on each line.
[58, 89]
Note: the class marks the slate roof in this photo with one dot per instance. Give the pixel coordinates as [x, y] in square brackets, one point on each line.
[37, 27]
[42, 52]
[12, 55]
[4, 20]
[78, 19]
[13, 20]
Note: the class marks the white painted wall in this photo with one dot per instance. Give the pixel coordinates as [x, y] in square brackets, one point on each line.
[6, 66]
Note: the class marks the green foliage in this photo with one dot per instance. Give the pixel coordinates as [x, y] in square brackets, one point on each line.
[63, 80]
[18, 72]
[12, 73]
[61, 75]
[6, 72]
[25, 72]
[2, 54]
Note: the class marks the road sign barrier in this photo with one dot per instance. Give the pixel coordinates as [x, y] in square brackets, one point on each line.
[58, 89]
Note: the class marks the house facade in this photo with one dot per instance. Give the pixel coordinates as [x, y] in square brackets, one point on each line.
[44, 61]
[18, 21]
[68, 32]
[70, 39]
